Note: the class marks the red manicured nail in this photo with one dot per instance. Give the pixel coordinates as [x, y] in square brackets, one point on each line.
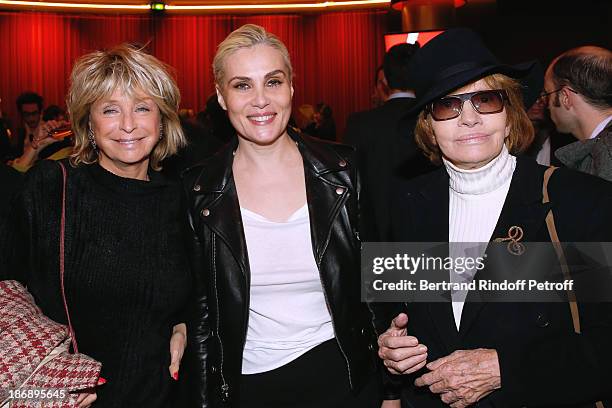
[101, 381]
[175, 376]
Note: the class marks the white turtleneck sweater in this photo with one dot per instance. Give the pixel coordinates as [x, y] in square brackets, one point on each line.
[476, 198]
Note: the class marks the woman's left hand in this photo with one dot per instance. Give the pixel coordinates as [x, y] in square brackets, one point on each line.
[178, 342]
[463, 377]
[86, 398]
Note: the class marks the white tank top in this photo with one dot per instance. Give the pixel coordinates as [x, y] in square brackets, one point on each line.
[288, 314]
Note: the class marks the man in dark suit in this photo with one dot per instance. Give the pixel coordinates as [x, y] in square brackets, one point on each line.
[380, 92]
[385, 144]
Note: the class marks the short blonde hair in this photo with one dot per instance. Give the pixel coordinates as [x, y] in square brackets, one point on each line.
[132, 70]
[521, 132]
[247, 36]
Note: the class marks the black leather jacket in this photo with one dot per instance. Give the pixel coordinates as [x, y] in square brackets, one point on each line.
[222, 265]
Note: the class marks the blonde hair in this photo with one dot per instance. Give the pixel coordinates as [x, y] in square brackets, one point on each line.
[521, 132]
[247, 36]
[132, 70]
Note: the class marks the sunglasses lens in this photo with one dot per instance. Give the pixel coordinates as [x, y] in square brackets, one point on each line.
[483, 101]
[446, 108]
[488, 102]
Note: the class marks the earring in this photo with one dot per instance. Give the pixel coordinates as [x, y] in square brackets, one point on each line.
[92, 140]
[161, 131]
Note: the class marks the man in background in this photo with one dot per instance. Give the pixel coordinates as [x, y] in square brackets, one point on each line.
[380, 92]
[30, 107]
[578, 85]
[547, 140]
[385, 144]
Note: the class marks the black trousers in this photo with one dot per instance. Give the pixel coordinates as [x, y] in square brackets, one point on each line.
[317, 379]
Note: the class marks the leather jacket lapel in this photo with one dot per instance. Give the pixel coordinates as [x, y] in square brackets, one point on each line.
[217, 201]
[327, 188]
[321, 192]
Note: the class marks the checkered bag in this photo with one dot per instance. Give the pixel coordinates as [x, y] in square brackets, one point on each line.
[36, 369]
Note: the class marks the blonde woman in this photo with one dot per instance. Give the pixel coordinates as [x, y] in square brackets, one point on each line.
[126, 278]
[275, 215]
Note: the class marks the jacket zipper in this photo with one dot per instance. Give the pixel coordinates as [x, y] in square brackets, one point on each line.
[320, 258]
[224, 385]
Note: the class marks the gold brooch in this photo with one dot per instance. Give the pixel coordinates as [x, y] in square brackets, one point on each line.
[515, 234]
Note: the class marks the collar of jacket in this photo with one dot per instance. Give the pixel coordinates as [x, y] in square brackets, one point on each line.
[428, 217]
[218, 169]
[574, 154]
[215, 199]
[522, 207]
[580, 154]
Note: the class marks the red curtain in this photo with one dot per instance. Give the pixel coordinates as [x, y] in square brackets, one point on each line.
[334, 55]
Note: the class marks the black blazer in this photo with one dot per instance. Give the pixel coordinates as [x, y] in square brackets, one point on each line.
[542, 361]
[387, 154]
[221, 265]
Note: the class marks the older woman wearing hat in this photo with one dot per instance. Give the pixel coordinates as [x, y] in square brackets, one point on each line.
[471, 118]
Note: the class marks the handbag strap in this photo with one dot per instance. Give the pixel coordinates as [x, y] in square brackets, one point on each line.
[61, 256]
[554, 237]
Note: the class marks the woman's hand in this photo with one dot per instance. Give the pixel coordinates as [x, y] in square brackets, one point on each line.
[463, 377]
[43, 138]
[178, 342]
[85, 399]
[401, 354]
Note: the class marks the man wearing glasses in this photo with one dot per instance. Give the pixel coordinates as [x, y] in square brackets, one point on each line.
[578, 89]
[29, 105]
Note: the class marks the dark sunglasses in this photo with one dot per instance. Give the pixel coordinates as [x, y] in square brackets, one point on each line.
[484, 102]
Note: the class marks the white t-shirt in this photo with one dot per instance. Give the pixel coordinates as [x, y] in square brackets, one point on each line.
[476, 199]
[288, 313]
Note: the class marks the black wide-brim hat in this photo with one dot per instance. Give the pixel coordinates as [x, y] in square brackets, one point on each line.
[458, 57]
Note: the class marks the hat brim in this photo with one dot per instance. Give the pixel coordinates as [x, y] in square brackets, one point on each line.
[529, 74]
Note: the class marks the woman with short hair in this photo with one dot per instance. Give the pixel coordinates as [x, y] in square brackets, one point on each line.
[127, 280]
[274, 216]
